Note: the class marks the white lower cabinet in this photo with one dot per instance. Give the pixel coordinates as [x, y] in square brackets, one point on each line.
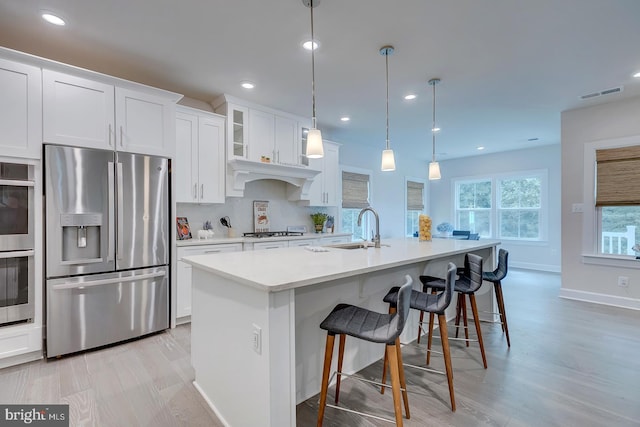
[324, 241]
[266, 245]
[304, 242]
[183, 285]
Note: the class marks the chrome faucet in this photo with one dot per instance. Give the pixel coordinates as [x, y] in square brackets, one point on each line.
[376, 238]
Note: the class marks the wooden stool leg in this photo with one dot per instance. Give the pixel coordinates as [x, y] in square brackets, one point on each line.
[420, 326]
[384, 370]
[505, 326]
[458, 312]
[340, 356]
[464, 316]
[497, 292]
[395, 382]
[403, 382]
[442, 321]
[430, 337]
[386, 358]
[476, 319]
[328, 353]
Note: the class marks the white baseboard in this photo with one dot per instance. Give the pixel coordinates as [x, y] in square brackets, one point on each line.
[538, 267]
[211, 405]
[623, 302]
[20, 359]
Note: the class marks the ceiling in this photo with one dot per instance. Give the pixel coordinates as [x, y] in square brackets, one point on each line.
[508, 67]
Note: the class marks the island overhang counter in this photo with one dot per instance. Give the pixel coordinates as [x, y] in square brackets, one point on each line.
[256, 345]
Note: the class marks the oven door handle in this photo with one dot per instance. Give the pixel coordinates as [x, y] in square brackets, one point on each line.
[16, 254]
[17, 183]
[98, 282]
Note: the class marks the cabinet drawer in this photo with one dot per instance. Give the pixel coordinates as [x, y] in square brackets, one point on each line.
[208, 249]
[333, 240]
[303, 242]
[270, 245]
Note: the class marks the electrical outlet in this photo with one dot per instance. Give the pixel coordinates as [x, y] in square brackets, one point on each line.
[256, 339]
[623, 281]
[577, 208]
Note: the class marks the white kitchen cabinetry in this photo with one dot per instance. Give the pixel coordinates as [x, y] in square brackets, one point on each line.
[325, 186]
[183, 299]
[237, 128]
[305, 242]
[89, 113]
[261, 131]
[20, 110]
[200, 157]
[268, 245]
[324, 241]
[287, 141]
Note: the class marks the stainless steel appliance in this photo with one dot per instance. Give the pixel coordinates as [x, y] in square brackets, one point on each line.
[107, 247]
[16, 243]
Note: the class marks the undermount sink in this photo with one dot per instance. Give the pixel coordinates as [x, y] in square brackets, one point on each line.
[355, 245]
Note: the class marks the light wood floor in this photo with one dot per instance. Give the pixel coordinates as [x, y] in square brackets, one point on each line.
[570, 364]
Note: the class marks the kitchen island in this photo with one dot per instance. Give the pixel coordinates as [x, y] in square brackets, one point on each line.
[256, 345]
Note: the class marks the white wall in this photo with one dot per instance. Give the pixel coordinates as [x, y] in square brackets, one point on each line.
[592, 282]
[240, 210]
[534, 255]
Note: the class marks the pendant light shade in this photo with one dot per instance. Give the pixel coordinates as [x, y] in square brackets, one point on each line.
[434, 167]
[315, 149]
[388, 159]
[434, 170]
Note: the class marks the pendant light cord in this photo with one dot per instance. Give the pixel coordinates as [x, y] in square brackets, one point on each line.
[313, 72]
[386, 58]
[433, 127]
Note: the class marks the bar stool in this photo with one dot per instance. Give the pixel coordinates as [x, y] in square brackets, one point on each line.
[496, 277]
[432, 304]
[466, 285]
[346, 319]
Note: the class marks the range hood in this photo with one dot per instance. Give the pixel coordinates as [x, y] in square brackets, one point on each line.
[241, 171]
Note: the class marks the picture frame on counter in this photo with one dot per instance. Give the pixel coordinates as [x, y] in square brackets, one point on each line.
[260, 216]
[183, 231]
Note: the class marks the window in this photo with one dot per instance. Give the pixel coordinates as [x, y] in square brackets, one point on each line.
[503, 206]
[355, 197]
[473, 206]
[415, 204]
[617, 199]
[519, 204]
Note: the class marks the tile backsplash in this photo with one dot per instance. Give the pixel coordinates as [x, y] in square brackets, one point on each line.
[282, 212]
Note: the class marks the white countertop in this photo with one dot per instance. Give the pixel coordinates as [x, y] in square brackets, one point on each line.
[240, 239]
[288, 268]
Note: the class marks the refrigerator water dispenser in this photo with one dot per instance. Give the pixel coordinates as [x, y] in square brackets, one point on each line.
[80, 237]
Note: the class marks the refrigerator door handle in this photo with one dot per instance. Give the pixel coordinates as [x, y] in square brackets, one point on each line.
[98, 282]
[120, 203]
[111, 213]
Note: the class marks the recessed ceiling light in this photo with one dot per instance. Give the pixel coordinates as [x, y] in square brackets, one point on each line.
[307, 45]
[53, 19]
[637, 75]
[435, 129]
[345, 119]
[481, 148]
[410, 97]
[248, 85]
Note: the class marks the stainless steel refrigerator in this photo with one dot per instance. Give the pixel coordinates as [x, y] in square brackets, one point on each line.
[107, 247]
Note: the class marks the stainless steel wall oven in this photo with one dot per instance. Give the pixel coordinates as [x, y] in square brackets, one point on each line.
[16, 243]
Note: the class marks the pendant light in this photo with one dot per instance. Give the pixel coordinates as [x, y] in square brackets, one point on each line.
[434, 167]
[315, 150]
[388, 160]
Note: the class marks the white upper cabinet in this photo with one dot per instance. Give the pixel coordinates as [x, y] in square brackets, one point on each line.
[88, 113]
[20, 110]
[287, 141]
[325, 186]
[200, 157]
[262, 131]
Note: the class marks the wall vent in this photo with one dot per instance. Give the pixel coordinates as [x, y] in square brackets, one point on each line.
[604, 92]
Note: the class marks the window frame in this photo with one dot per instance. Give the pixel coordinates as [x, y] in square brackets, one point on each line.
[591, 219]
[495, 209]
[406, 196]
[366, 218]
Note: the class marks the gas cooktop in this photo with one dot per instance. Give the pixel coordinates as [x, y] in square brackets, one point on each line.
[261, 234]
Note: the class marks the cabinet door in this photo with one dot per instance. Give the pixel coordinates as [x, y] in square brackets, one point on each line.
[183, 289]
[185, 165]
[316, 190]
[286, 141]
[237, 131]
[145, 123]
[77, 111]
[331, 174]
[261, 129]
[211, 160]
[20, 110]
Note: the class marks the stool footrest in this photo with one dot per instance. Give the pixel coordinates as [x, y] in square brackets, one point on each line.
[364, 414]
[422, 368]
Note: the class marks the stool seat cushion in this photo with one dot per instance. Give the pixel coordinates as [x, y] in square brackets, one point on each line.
[490, 276]
[422, 301]
[462, 285]
[361, 323]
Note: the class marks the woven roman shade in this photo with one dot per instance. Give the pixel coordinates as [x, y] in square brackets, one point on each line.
[415, 190]
[618, 176]
[355, 190]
